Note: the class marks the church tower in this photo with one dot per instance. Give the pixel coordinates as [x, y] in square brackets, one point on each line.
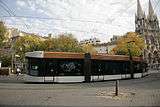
[148, 27]
[140, 19]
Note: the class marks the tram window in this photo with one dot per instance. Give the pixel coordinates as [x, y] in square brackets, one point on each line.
[98, 67]
[137, 67]
[70, 68]
[126, 68]
[110, 68]
[34, 67]
[119, 67]
[34, 70]
[51, 68]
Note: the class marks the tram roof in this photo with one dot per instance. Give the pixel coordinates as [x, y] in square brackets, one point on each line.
[71, 55]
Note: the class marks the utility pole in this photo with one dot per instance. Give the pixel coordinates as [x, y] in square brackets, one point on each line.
[13, 39]
[12, 55]
[131, 61]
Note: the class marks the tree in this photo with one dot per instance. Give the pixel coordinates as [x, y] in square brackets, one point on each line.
[131, 41]
[88, 48]
[6, 59]
[49, 44]
[28, 43]
[2, 33]
[63, 43]
[68, 43]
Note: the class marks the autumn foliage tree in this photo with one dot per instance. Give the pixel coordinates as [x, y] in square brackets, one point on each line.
[63, 43]
[27, 43]
[2, 32]
[131, 41]
[88, 48]
[60, 43]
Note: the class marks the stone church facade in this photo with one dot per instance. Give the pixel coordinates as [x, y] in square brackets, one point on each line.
[148, 27]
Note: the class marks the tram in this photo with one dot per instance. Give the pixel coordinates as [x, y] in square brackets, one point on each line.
[64, 67]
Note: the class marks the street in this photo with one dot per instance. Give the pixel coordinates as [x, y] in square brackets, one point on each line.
[134, 92]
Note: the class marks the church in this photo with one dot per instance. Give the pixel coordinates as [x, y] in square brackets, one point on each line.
[148, 27]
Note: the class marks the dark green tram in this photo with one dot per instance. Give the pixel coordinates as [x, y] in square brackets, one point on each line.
[79, 67]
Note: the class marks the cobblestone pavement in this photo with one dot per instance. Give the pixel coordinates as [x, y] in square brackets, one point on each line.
[136, 92]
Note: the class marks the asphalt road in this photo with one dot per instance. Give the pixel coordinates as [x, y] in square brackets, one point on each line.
[135, 92]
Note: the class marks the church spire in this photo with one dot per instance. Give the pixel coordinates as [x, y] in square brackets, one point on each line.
[151, 11]
[139, 10]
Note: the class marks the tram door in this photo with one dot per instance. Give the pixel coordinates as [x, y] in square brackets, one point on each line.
[51, 71]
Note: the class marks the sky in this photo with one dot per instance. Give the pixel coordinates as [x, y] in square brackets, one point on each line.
[83, 18]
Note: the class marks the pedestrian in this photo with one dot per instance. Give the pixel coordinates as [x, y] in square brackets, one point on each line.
[18, 71]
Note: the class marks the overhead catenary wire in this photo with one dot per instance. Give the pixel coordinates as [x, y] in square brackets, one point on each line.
[79, 20]
[124, 26]
[5, 9]
[157, 9]
[48, 18]
[69, 19]
[70, 30]
[63, 31]
[11, 13]
[6, 6]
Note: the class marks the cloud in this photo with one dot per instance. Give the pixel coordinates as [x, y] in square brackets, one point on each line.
[83, 18]
[21, 3]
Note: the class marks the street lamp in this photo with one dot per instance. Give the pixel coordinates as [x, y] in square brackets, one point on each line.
[130, 58]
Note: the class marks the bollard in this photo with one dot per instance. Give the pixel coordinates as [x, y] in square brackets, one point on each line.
[117, 85]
